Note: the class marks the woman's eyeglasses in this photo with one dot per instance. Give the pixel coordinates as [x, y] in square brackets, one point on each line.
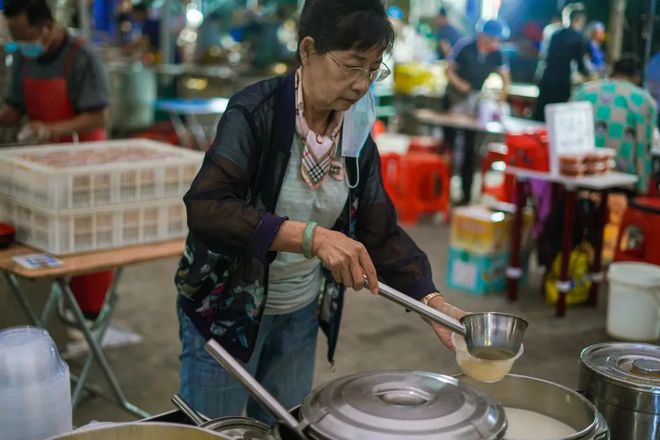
[354, 73]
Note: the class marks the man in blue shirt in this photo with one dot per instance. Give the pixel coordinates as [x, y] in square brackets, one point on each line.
[447, 34]
[596, 34]
[653, 79]
[469, 64]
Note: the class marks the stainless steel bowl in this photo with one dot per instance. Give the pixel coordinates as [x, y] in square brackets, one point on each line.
[493, 336]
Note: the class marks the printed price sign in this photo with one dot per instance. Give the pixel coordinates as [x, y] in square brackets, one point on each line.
[570, 130]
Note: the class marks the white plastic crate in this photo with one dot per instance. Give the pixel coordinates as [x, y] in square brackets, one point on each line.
[96, 174]
[67, 232]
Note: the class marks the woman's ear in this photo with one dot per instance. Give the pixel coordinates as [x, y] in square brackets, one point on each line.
[307, 49]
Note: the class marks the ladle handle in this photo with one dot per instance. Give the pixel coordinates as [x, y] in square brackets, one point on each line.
[421, 309]
[257, 391]
[193, 415]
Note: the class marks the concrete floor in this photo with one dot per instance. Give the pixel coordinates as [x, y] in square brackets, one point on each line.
[375, 335]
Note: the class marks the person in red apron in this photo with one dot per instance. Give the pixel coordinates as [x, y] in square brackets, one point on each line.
[59, 84]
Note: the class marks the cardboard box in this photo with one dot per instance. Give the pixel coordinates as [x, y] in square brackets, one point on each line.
[485, 230]
[479, 273]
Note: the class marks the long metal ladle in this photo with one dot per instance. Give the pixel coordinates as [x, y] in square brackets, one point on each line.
[489, 335]
[421, 309]
[257, 391]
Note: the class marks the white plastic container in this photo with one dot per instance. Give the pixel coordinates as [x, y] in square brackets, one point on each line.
[82, 230]
[392, 143]
[633, 311]
[35, 388]
[93, 174]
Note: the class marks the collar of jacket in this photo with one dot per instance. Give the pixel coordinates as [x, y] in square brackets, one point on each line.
[284, 119]
[281, 140]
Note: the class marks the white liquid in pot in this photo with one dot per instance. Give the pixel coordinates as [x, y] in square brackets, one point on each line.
[530, 425]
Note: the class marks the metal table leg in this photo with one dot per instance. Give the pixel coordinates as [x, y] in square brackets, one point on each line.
[514, 271]
[597, 269]
[198, 132]
[96, 351]
[93, 335]
[564, 283]
[180, 129]
[12, 281]
[99, 328]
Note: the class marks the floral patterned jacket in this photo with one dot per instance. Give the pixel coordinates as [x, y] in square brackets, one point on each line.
[222, 278]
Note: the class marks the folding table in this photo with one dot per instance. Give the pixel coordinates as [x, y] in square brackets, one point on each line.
[60, 294]
[184, 112]
[460, 121]
[599, 183]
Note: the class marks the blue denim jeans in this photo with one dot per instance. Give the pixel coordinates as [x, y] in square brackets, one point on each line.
[283, 362]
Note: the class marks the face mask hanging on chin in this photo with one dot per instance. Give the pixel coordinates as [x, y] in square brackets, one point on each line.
[359, 120]
[30, 50]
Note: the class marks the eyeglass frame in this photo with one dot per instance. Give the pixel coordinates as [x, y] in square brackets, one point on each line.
[371, 74]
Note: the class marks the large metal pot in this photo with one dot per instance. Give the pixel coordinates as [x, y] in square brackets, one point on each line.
[549, 399]
[239, 428]
[387, 405]
[143, 431]
[235, 428]
[623, 381]
[400, 404]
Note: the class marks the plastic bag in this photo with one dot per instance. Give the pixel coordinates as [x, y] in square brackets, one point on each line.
[578, 276]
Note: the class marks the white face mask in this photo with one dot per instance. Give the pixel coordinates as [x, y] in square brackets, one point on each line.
[358, 122]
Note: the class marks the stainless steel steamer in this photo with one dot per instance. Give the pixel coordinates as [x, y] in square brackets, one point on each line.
[623, 381]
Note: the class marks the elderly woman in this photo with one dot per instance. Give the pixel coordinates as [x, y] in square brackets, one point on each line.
[287, 211]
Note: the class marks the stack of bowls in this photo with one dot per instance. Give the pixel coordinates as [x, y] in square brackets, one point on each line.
[35, 389]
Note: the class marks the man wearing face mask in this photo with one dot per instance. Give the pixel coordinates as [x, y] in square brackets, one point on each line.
[57, 81]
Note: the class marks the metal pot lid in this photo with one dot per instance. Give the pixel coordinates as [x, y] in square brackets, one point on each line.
[401, 404]
[631, 365]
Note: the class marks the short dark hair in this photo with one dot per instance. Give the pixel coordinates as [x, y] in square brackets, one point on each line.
[37, 11]
[140, 7]
[577, 14]
[442, 11]
[346, 24]
[628, 65]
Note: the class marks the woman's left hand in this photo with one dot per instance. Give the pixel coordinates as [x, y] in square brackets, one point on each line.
[439, 303]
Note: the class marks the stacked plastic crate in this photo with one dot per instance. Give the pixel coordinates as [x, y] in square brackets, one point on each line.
[69, 198]
[479, 245]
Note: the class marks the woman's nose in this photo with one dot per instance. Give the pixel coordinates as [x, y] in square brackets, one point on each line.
[362, 84]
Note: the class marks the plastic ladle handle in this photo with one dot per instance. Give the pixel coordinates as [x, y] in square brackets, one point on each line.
[257, 391]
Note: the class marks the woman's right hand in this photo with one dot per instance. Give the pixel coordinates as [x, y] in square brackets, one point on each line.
[347, 259]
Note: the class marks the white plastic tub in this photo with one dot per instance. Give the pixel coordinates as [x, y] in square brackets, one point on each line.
[82, 230]
[633, 311]
[97, 174]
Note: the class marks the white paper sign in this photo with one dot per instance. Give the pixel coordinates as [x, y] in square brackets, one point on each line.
[465, 274]
[570, 130]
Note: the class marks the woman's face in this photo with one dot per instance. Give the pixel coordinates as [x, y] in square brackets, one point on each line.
[338, 79]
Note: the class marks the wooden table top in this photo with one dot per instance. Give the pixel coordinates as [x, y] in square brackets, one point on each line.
[466, 122]
[596, 182]
[89, 262]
